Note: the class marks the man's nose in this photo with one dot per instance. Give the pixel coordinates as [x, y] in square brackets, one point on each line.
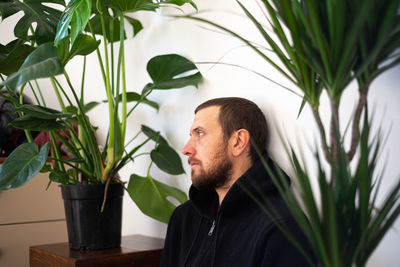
[188, 149]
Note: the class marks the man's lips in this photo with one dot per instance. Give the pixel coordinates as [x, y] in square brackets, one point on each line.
[193, 163]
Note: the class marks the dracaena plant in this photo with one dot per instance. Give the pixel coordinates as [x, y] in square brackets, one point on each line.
[86, 27]
[324, 46]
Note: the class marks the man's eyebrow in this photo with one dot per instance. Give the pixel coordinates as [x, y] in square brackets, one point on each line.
[195, 130]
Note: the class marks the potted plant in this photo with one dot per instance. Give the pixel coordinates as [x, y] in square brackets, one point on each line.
[323, 46]
[92, 170]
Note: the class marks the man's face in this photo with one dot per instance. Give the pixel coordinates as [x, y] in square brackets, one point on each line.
[207, 151]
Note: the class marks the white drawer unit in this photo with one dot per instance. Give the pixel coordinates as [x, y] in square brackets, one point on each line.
[30, 215]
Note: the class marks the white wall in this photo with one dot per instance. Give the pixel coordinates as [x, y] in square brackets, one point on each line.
[191, 39]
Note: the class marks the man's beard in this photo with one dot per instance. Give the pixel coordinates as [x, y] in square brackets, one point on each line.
[218, 173]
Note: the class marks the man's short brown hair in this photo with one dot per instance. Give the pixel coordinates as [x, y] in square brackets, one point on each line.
[239, 113]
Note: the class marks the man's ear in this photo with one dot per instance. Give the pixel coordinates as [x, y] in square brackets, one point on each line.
[240, 142]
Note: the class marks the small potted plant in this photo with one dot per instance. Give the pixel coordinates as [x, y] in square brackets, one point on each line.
[91, 172]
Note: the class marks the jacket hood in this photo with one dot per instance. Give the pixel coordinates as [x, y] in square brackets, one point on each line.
[255, 183]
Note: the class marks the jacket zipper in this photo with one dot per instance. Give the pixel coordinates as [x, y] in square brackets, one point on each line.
[212, 228]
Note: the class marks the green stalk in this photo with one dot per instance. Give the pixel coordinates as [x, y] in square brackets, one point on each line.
[140, 101]
[59, 98]
[111, 26]
[77, 142]
[28, 134]
[80, 127]
[83, 79]
[124, 96]
[65, 142]
[91, 138]
[40, 93]
[152, 181]
[111, 146]
[34, 93]
[100, 60]
[57, 153]
[63, 91]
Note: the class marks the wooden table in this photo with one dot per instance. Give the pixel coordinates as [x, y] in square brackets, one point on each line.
[135, 250]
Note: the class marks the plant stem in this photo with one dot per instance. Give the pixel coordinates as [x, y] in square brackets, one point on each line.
[130, 141]
[28, 134]
[321, 128]
[124, 96]
[63, 91]
[57, 152]
[91, 138]
[100, 60]
[83, 80]
[334, 120]
[40, 92]
[111, 146]
[34, 93]
[76, 140]
[142, 97]
[355, 136]
[59, 98]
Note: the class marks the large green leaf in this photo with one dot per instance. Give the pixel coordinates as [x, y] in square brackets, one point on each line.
[135, 97]
[167, 159]
[86, 108]
[22, 165]
[155, 136]
[59, 177]
[136, 24]
[11, 60]
[36, 124]
[42, 112]
[151, 197]
[41, 63]
[109, 21]
[76, 15]
[132, 5]
[83, 45]
[171, 71]
[6, 49]
[35, 11]
[180, 2]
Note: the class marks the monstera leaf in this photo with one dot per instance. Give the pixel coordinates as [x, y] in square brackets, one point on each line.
[43, 62]
[167, 159]
[132, 5]
[35, 11]
[83, 45]
[74, 20]
[22, 165]
[42, 112]
[155, 136]
[13, 55]
[171, 71]
[181, 2]
[95, 23]
[151, 197]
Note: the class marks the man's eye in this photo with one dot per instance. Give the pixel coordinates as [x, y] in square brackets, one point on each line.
[199, 133]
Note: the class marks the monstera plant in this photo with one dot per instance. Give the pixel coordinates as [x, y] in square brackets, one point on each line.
[79, 29]
[321, 47]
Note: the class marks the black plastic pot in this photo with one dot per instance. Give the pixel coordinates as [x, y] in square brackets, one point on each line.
[88, 227]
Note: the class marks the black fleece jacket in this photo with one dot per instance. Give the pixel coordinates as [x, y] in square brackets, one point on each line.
[240, 233]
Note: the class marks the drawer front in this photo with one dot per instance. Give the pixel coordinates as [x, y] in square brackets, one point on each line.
[15, 240]
[32, 202]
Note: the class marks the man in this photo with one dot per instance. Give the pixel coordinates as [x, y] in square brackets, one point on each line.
[222, 224]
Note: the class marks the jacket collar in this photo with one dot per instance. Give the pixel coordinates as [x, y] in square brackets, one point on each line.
[255, 182]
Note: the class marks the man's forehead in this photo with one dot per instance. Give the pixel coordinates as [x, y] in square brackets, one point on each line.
[206, 118]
